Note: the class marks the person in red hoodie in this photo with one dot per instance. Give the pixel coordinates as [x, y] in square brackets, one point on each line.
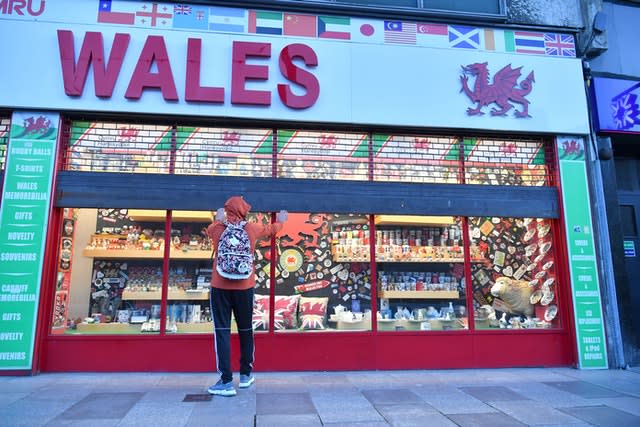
[235, 295]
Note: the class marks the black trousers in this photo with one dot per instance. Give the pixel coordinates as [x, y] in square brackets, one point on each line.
[240, 302]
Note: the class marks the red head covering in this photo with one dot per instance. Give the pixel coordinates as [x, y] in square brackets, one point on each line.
[236, 209]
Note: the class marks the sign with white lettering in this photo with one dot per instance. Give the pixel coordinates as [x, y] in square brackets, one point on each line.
[23, 229]
[587, 306]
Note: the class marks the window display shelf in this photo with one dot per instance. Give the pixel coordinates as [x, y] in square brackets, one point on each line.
[177, 216]
[419, 294]
[145, 254]
[421, 260]
[194, 328]
[106, 328]
[157, 295]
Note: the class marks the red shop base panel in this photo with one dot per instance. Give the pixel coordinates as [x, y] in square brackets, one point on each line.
[312, 351]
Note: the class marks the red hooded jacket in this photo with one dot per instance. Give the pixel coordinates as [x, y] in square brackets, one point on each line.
[237, 209]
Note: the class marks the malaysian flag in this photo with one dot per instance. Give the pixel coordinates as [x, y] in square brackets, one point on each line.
[559, 45]
[182, 9]
[400, 32]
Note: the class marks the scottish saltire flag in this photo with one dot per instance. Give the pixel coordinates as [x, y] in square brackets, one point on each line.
[334, 27]
[524, 42]
[261, 22]
[192, 17]
[294, 24]
[227, 19]
[464, 37]
[400, 32]
[559, 45]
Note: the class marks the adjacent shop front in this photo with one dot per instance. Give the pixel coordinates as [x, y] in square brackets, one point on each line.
[422, 164]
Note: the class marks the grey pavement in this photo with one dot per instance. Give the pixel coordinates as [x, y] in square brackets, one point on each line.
[465, 397]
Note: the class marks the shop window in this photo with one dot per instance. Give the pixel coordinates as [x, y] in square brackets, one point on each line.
[224, 151]
[110, 272]
[514, 273]
[628, 219]
[191, 267]
[119, 147]
[420, 269]
[421, 159]
[5, 123]
[322, 279]
[323, 155]
[504, 162]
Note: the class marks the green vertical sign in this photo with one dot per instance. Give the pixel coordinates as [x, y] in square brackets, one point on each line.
[585, 288]
[24, 212]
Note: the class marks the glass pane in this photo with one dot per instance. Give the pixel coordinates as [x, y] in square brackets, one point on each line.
[628, 219]
[224, 151]
[109, 272]
[119, 147]
[323, 273]
[323, 155]
[505, 162]
[513, 270]
[424, 159]
[420, 266]
[483, 6]
[190, 268]
[4, 138]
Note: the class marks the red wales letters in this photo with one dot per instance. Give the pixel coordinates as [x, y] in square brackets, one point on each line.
[153, 70]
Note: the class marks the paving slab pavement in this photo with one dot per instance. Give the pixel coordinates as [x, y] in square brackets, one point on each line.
[464, 397]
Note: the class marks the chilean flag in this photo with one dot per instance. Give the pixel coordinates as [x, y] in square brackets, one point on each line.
[105, 15]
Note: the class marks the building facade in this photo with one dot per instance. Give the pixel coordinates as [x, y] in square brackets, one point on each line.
[434, 164]
[614, 84]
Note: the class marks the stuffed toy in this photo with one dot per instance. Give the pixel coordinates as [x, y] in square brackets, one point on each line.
[515, 294]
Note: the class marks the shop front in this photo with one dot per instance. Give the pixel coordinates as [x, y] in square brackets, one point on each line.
[426, 169]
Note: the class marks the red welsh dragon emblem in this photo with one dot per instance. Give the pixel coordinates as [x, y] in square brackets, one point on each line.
[504, 89]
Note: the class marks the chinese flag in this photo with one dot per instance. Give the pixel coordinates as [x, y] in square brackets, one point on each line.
[299, 25]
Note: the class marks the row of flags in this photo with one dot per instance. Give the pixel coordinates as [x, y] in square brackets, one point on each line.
[232, 20]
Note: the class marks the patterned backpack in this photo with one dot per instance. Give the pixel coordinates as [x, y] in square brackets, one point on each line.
[234, 257]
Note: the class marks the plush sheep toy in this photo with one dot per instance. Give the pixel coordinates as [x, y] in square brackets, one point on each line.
[515, 294]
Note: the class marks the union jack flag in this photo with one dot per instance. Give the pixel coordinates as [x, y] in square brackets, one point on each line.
[182, 9]
[559, 45]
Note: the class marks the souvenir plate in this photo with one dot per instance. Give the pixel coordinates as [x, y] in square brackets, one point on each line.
[291, 260]
[549, 282]
[544, 248]
[543, 230]
[532, 267]
[535, 297]
[547, 265]
[531, 249]
[550, 313]
[540, 274]
[539, 258]
[533, 283]
[547, 297]
[529, 235]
